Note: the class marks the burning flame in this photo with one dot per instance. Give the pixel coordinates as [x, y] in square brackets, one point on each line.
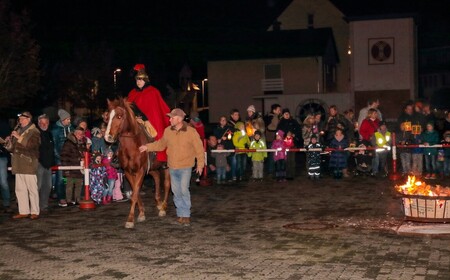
[414, 187]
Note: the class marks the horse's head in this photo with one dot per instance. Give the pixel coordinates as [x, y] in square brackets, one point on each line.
[121, 120]
[115, 124]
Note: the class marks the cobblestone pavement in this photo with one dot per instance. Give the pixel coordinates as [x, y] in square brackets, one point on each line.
[301, 229]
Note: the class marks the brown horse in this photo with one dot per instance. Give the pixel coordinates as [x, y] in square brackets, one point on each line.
[123, 126]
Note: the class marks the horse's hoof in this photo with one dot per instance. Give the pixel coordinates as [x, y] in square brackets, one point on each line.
[162, 213]
[140, 219]
[129, 225]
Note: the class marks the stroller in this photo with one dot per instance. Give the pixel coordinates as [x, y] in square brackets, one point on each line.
[363, 162]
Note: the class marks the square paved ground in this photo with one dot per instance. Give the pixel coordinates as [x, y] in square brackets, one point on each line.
[302, 229]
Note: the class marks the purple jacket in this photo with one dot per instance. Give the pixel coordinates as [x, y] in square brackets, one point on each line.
[276, 144]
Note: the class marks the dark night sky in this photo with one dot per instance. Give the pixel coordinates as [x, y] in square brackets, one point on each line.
[135, 27]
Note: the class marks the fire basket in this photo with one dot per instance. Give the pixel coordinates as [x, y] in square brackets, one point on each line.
[425, 203]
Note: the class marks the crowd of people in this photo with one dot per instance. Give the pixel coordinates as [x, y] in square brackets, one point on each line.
[333, 133]
[36, 148]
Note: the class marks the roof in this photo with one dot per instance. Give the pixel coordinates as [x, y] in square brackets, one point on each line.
[278, 44]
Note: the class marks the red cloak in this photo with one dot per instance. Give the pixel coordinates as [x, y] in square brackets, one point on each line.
[150, 102]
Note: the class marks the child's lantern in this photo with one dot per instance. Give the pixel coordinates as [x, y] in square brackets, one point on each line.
[416, 129]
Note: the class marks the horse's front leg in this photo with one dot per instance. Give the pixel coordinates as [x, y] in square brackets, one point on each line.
[141, 215]
[160, 204]
[135, 182]
[166, 176]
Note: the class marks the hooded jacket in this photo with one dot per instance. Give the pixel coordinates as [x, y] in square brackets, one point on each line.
[60, 133]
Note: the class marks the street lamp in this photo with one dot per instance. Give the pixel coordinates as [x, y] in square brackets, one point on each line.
[203, 92]
[118, 70]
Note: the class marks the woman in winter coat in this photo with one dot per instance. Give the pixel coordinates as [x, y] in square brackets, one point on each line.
[338, 159]
[288, 124]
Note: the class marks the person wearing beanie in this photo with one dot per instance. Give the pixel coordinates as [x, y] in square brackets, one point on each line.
[147, 99]
[63, 114]
[254, 121]
[61, 130]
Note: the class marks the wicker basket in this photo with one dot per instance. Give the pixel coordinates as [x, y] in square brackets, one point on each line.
[426, 208]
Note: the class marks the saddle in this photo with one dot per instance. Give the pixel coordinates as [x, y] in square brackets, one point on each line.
[150, 134]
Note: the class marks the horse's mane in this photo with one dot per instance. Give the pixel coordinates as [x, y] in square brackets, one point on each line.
[132, 123]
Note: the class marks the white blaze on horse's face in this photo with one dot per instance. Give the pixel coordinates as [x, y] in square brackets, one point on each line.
[109, 138]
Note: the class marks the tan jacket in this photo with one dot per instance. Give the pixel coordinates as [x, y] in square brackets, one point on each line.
[25, 152]
[183, 147]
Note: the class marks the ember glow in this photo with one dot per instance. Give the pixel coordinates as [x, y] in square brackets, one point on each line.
[413, 187]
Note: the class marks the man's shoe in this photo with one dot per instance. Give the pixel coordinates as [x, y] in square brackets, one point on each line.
[186, 221]
[179, 221]
[34, 216]
[433, 176]
[428, 176]
[8, 210]
[20, 216]
[62, 203]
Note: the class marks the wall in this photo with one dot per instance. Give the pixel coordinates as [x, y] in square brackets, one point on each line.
[325, 15]
[393, 80]
[389, 76]
[234, 84]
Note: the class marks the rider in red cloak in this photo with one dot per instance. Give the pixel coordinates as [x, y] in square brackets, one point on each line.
[148, 100]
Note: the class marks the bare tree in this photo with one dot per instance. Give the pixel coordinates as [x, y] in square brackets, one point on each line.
[19, 59]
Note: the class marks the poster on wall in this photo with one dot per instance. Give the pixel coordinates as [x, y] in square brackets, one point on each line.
[381, 51]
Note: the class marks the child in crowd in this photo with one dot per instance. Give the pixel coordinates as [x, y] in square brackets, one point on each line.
[240, 141]
[446, 142]
[257, 157]
[405, 138]
[98, 143]
[211, 160]
[417, 156]
[220, 164]
[97, 177]
[290, 156]
[430, 137]
[313, 158]
[381, 140]
[111, 176]
[338, 159]
[279, 156]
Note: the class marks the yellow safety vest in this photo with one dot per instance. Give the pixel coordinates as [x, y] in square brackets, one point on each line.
[382, 139]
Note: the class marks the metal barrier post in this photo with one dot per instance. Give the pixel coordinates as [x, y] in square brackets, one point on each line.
[204, 180]
[87, 203]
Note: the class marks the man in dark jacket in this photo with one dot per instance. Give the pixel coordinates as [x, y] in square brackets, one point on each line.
[271, 120]
[46, 161]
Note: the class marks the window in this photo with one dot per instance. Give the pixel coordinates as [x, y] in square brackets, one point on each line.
[272, 82]
[272, 71]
